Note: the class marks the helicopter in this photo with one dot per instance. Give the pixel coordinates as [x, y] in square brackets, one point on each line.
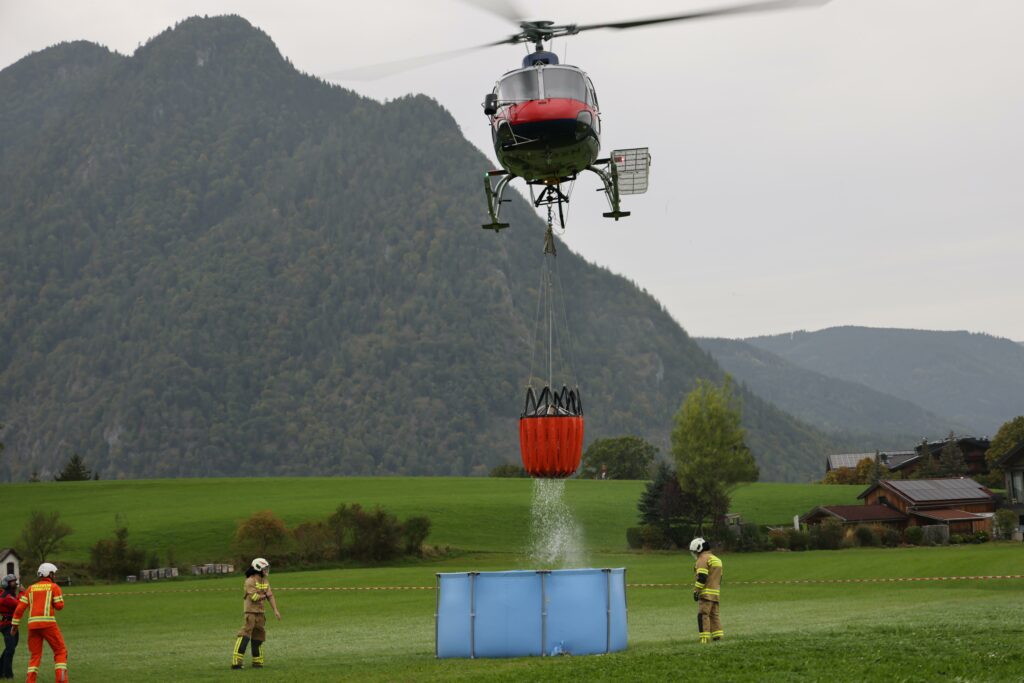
[544, 116]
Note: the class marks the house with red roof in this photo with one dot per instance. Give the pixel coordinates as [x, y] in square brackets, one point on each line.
[964, 505]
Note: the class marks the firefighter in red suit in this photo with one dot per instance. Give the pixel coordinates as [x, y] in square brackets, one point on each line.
[41, 601]
[8, 604]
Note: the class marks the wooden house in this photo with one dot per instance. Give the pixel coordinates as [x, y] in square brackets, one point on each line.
[964, 505]
[851, 515]
[972, 448]
[836, 461]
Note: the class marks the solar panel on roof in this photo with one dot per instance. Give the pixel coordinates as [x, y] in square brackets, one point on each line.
[940, 489]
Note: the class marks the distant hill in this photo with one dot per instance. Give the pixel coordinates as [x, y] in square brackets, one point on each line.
[217, 265]
[975, 379]
[833, 405]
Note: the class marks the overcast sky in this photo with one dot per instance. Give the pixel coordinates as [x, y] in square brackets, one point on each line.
[858, 164]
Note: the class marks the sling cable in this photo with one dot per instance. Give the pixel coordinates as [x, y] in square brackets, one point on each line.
[551, 425]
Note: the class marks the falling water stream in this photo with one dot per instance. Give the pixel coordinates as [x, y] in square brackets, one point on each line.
[556, 538]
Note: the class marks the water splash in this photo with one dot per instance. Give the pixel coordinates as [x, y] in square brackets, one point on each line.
[556, 538]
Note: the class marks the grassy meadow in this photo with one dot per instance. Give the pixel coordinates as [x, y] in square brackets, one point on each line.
[196, 518]
[784, 617]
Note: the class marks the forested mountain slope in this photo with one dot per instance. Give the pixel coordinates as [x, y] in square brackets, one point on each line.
[976, 379]
[832, 405]
[214, 264]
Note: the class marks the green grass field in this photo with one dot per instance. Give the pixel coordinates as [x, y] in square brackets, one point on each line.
[197, 517]
[798, 627]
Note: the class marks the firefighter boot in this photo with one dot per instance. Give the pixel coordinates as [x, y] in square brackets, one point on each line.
[238, 654]
[257, 654]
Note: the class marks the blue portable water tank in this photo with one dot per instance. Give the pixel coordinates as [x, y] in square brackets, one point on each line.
[530, 613]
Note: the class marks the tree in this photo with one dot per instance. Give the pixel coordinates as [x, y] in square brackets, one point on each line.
[951, 459]
[1009, 436]
[1006, 522]
[342, 524]
[414, 532]
[661, 505]
[261, 535]
[74, 470]
[113, 558]
[877, 471]
[42, 536]
[623, 457]
[868, 471]
[928, 467]
[709, 450]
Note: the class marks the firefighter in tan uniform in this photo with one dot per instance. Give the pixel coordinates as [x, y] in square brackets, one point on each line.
[257, 591]
[706, 589]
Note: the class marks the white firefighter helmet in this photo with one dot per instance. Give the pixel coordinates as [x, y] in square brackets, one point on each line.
[259, 564]
[698, 545]
[46, 569]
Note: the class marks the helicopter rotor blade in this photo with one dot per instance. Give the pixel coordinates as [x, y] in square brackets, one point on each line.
[506, 9]
[385, 69]
[544, 30]
[748, 8]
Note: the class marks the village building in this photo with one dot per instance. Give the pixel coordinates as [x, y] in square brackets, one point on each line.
[837, 461]
[851, 515]
[10, 562]
[963, 505]
[972, 448]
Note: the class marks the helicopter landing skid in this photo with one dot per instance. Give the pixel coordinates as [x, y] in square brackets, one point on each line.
[623, 172]
[494, 198]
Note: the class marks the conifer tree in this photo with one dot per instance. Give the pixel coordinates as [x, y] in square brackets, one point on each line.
[74, 470]
[951, 459]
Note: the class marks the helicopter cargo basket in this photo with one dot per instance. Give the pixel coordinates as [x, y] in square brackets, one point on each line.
[632, 167]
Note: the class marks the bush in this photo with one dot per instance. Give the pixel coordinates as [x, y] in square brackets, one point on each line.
[798, 539]
[1006, 523]
[415, 531]
[913, 535]
[752, 539]
[827, 535]
[981, 537]
[865, 536]
[508, 469]
[314, 542]
[653, 538]
[935, 534]
[377, 536]
[261, 535]
[113, 558]
[779, 538]
[956, 539]
[633, 538]
[889, 537]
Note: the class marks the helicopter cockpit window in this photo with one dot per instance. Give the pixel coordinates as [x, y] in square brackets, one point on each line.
[519, 86]
[564, 84]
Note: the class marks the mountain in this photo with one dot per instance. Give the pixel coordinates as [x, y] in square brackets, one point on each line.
[829, 404]
[216, 265]
[975, 379]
